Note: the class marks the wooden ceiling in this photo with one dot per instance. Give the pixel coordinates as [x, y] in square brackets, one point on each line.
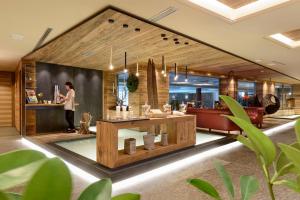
[236, 3]
[294, 34]
[88, 46]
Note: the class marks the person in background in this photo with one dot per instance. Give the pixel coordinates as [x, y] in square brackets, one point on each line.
[69, 101]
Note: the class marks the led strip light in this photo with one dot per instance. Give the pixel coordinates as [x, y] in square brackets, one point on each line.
[169, 168]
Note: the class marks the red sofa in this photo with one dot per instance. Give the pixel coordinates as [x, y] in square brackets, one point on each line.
[214, 119]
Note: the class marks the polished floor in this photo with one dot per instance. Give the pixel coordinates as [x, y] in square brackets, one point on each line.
[86, 147]
[168, 182]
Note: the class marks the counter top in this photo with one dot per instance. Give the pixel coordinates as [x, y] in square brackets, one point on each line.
[33, 106]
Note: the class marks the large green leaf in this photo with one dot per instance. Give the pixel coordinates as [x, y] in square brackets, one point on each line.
[297, 130]
[100, 190]
[19, 175]
[291, 153]
[284, 165]
[4, 196]
[294, 185]
[14, 196]
[19, 158]
[225, 178]
[236, 108]
[245, 141]
[249, 186]
[51, 181]
[261, 143]
[127, 196]
[205, 187]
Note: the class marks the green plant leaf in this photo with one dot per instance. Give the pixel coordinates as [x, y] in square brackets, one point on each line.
[4, 196]
[284, 165]
[100, 190]
[297, 130]
[236, 108]
[294, 185]
[127, 196]
[19, 158]
[261, 143]
[249, 186]
[19, 175]
[14, 196]
[291, 153]
[225, 178]
[245, 141]
[51, 181]
[205, 187]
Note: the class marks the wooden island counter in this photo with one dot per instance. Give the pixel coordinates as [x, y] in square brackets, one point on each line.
[181, 134]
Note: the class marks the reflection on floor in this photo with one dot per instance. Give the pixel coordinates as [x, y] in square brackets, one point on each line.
[8, 131]
[285, 116]
[86, 147]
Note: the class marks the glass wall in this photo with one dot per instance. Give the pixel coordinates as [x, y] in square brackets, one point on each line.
[283, 92]
[182, 90]
[246, 92]
[122, 88]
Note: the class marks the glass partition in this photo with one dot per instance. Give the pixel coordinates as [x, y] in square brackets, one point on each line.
[246, 92]
[283, 92]
[201, 90]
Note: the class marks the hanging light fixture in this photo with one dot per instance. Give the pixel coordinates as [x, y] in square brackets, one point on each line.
[176, 76]
[125, 66]
[163, 65]
[186, 73]
[111, 67]
[137, 67]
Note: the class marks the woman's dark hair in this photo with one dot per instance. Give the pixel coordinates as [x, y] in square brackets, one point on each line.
[70, 85]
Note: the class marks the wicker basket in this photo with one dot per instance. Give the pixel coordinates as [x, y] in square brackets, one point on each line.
[130, 146]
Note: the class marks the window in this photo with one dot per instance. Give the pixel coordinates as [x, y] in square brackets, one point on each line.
[186, 91]
[246, 92]
[283, 92]
[122, 88]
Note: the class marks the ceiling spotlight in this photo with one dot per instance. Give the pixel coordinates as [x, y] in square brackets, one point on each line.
[165, 38]
[111, 21]
[208, 74]
[125, 25]
[186, 43]
[177, 42]
[175, 39]
[163, 35]
[258, 60]
[17, 37]
[137, 29]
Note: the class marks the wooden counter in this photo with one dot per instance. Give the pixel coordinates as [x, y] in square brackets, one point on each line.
[181, 134]
[36, 106]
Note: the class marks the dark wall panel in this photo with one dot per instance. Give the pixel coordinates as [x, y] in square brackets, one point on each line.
[88, 88]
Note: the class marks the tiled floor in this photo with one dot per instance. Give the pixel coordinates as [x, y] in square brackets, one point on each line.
[171, 184]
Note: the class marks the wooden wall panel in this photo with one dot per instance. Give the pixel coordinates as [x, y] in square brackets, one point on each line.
[6, 99]
[296, 94]
[17, 99]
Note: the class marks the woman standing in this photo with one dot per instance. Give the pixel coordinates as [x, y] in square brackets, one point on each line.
[69, 101]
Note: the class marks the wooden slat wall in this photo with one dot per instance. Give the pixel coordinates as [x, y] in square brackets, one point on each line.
[296, 94]
[6, 96]
[17, 99]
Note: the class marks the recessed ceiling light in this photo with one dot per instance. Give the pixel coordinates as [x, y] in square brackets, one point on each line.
[271, 64]
[258, 60]
[17, 37]
[186, 43]
[111, 21]
[165, 38]
[177, 42]
[137, 29]
[175, 39]
[125, 25]
[285, 40]
[234, 14]
[163, 35]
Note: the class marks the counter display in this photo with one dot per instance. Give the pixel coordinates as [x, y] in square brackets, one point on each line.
[181, 132]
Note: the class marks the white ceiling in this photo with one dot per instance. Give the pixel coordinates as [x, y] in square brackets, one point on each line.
[246, 38]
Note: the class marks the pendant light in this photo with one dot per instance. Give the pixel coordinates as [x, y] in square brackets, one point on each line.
[186, 74]
[176, 76]
[137, 67]
[111, 67]
[125, 66]
[163, 65]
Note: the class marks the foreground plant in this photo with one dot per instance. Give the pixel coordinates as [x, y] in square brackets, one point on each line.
[287, 161]
[46, 179]
[248, 184]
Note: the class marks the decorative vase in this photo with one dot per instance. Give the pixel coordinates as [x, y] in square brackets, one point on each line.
[164, 139]
[149, 141]
[130, 146]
